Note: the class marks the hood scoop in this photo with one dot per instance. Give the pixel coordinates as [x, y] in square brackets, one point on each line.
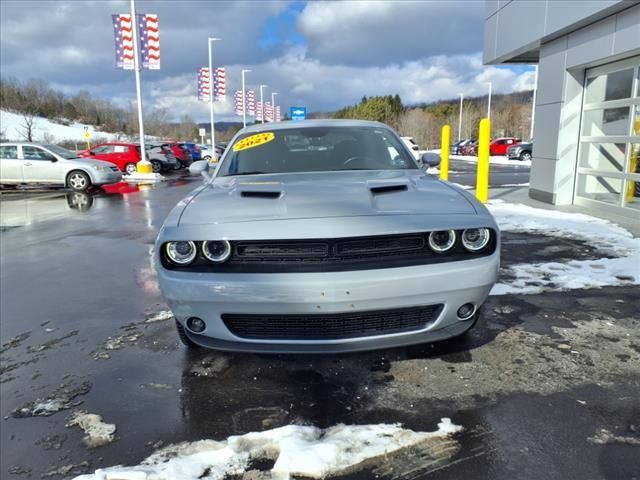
[261, 194]
[389, 188]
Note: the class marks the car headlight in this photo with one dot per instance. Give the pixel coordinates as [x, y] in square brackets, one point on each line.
[475, 239]
[100, 168]
[181, 253]
[216, 251]
[442, 241]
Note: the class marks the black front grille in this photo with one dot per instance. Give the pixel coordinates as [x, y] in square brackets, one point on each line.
[331, 326]
[332, 254]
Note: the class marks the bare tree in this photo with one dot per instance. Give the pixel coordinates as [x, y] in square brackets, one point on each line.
[47, 137]
[28, 120]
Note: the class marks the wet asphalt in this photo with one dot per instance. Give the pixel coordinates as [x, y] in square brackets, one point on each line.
[546, 386]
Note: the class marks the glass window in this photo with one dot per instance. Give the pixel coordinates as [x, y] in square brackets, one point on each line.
[35, 153]
[607, 121]
[608, 157]
[8, 152]
[610, 86]
[317, 149]
[103, 149]
[600, 188]
[63, 152]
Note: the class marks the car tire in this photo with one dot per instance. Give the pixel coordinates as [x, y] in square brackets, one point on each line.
[78, 181]
[186, 341]
[176, 166]
[156, 166]
[130, 168]
[525, 156]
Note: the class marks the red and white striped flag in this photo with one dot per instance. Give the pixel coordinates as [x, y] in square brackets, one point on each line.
[277, 113]
[149, 40]
[237, 102]
[259, 111]
[203, 84]
[220, 89]
[268, 112]
[251, 102]
[123, 35]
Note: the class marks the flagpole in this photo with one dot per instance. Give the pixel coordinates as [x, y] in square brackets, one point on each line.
[262, 104]
[460, 117]
[273, 106]
[211, 94]
[244, 100]
[144, 166]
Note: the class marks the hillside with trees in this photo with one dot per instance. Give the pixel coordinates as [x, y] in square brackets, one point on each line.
[510, 116]
[35, 98]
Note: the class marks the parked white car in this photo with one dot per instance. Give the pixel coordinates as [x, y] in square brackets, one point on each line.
[28, 163]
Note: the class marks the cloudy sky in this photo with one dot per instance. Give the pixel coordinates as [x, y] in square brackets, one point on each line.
[324, 55]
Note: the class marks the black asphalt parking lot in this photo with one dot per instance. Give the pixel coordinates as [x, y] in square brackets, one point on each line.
[546, 386]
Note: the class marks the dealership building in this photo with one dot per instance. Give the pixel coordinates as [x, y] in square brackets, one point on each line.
[587, 109]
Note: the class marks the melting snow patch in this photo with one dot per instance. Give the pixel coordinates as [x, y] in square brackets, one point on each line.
[609, 239]
[97, 433]
[296, 450]
[159, 316]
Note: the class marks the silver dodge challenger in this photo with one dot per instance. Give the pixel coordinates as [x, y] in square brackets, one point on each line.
[325, 236]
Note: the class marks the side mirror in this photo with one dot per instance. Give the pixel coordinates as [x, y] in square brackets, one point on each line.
[197, 167]
[430, 159]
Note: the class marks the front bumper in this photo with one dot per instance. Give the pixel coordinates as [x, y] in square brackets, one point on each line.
[513, 155]
[208, 296]
[106, 178]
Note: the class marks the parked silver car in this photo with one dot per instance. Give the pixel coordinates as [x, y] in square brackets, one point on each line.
[26, 163]
[324, 236]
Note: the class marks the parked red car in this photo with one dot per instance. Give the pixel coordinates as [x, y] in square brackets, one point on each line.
[124, 155]
[499, 146]
[182, 153]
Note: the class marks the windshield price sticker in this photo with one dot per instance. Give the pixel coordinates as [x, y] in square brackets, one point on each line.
[253, 141]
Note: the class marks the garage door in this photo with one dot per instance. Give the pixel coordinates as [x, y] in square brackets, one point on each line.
[608, 171]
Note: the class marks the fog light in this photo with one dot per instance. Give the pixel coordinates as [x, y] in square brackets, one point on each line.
[466, 311]
[196, 324]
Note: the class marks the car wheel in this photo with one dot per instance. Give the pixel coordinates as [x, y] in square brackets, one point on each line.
[207, 158]
[525, 156]
[130, 168]
[177, 166]
[78, 181]
[186, 341]
[156, 166]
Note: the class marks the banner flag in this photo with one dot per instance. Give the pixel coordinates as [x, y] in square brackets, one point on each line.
[259, 111]
[237, 102]
[149, 40]
[251, 102]
[203, 84]
[277, 113]
[123, 36]
[220, 90]
[268, 112]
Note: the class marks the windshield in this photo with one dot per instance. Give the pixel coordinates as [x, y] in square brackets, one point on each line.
[61, 152]
[316, 149]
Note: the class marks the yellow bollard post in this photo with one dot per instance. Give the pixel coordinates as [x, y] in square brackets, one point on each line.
[482, 183]
[444, 152]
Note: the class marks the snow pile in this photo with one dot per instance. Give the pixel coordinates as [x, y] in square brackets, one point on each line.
[297, 450]
[12, 128]
[609, 239]
[97, 433]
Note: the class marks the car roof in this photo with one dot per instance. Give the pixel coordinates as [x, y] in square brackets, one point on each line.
[275, 126]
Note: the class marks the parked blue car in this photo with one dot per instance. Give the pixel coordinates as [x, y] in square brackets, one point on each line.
[194, 149]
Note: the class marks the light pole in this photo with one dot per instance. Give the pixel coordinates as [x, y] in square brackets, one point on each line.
[244, 100]
[489, 102]
[262, 103]
[144, 163]
[533, 106]
[460, 117]
[273, 106]
[211, 94]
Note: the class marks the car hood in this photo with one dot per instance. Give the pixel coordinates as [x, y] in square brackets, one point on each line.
[87, 161]
[323, 195]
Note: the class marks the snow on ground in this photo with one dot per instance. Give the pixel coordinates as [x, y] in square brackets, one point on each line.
[304, 451]
[97, 433]
[609, 239]
[11, 125]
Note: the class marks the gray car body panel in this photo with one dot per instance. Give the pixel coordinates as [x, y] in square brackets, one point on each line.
[325, 205]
